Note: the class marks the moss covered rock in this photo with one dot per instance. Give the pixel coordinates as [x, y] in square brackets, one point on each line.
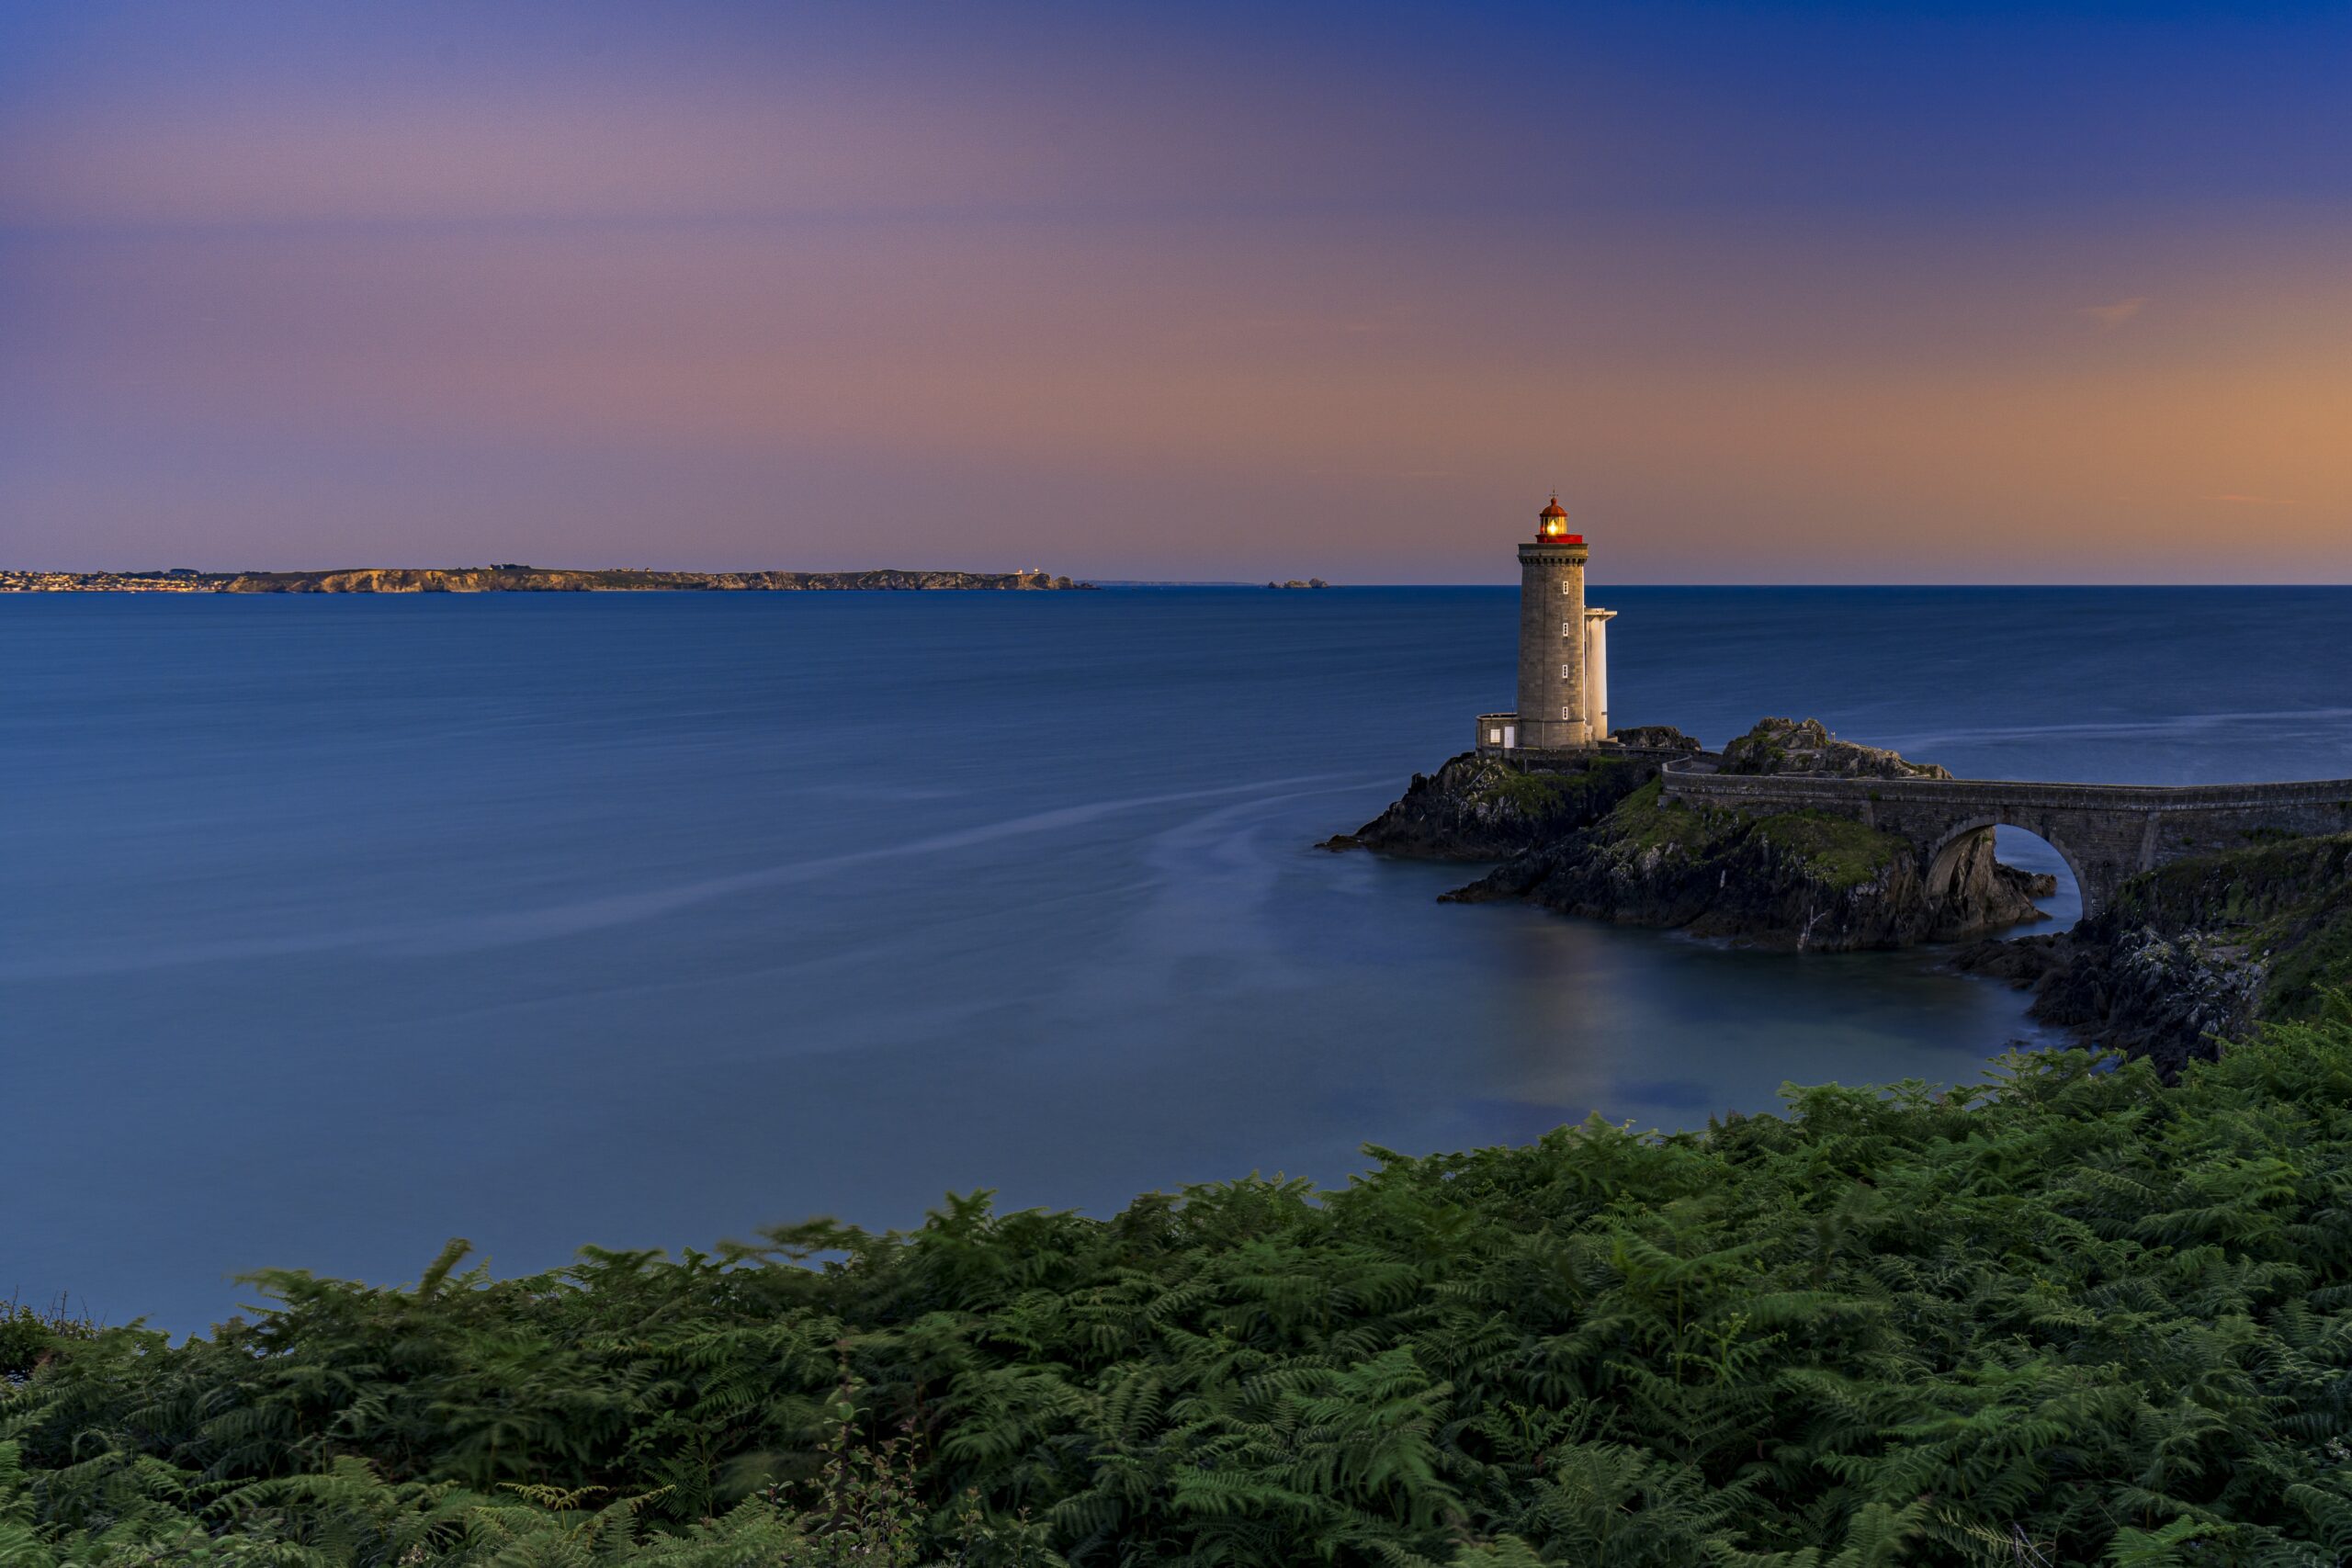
[1799, 879]
[1596, 837]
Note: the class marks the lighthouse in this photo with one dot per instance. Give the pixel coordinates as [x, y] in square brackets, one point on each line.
[1562, 648]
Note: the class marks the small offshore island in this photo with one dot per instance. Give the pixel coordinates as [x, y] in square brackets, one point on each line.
[508, 576]
[2206, 910]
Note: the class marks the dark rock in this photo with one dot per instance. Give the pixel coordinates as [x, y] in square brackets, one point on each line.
[1802, 746]
[2195, 953]
[2171, 999]
[1597, 837]
[2167, 997]
[2021, 961]
[1479, 808]
[1655, 738]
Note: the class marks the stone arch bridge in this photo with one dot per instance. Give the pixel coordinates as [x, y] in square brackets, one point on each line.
[2106, 832]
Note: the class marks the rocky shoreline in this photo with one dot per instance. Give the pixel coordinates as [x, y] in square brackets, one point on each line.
[2196, 953]
[2191, 955]
[1597, 837]
[1798, 880]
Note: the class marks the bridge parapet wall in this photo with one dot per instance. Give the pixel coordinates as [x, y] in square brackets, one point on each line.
[1727, 791]
[2106, 832]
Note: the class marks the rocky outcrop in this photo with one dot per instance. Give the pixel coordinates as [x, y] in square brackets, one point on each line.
[1598, 837]
[1479, 808]
[515, 579]
[1798, 880]
[2196, 953]
[2172, 999]
[1654, 738]
[1804, 746]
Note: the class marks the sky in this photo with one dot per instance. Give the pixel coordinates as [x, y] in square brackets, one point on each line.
[1769, 293]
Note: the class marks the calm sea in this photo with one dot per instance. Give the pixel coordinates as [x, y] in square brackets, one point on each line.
[330, 928]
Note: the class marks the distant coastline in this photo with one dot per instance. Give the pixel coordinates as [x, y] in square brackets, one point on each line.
[513, 577]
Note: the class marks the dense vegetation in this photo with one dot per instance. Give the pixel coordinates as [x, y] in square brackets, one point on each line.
[2078, 1315]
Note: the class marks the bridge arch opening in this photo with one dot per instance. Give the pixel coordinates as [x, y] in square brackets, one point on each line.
[1994, 848]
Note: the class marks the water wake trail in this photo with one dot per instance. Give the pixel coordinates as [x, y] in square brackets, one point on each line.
[510, 928]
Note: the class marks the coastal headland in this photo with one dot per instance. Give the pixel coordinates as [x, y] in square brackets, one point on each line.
[2239, 911]
[1598, 833]
[513, 577]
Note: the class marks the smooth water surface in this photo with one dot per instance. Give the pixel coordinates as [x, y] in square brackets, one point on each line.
[333, 927]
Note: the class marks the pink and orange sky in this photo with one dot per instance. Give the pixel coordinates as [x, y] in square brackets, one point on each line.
[1773, 293]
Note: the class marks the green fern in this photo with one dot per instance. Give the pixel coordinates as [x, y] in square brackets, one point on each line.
[2072, 1315]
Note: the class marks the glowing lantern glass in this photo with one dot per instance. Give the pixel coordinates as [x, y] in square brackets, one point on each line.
[1552, 522]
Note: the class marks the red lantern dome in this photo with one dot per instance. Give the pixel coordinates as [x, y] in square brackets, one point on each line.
[1552, 525]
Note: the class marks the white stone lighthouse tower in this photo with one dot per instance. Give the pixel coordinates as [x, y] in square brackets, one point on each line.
[1562, 648]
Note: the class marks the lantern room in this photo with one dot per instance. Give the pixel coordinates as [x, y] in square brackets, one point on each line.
[1552, 525]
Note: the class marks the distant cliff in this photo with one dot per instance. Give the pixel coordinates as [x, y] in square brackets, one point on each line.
[557, 579]
[515, 579]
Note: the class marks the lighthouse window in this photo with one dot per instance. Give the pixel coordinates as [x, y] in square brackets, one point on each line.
[1564, 671]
